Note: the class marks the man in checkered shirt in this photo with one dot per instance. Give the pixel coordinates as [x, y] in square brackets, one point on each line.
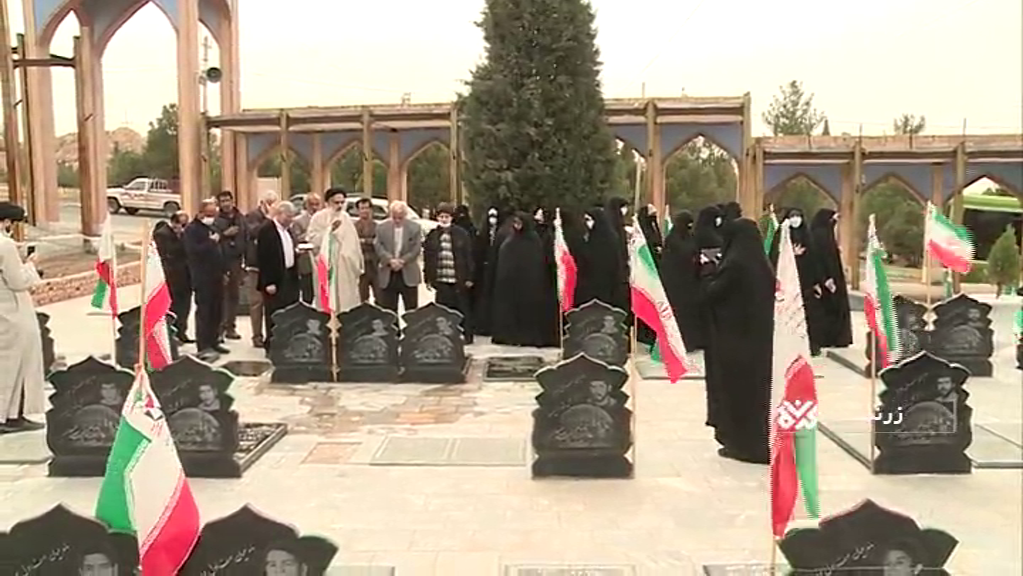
[448, 262]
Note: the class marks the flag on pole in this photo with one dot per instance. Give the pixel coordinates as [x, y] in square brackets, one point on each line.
[949, 244]
[877, 300]
[144, 490]
[325, 274]
[567, 273]
[668, 222]
[772, 227]
[650, 304]
[156, 303]
[104, 297]
[794, 399]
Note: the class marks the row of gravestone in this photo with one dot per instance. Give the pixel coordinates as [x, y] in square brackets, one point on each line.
[598, 330]
[863, 539]
[86, 404]
[961, 333]
[369, 347]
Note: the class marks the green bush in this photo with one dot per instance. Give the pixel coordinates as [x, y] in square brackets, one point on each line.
[977, 273]
[1003, 261]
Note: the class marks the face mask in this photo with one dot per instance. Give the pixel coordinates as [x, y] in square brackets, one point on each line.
[492, 220]
[718, 221]
[589, 222]
[796, 221]
[625, 210]
[207, 221]
[444, 224]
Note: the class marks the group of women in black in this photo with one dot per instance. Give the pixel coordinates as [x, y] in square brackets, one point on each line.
[717, 276]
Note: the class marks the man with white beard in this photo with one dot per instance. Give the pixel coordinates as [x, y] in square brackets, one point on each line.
[346, 264]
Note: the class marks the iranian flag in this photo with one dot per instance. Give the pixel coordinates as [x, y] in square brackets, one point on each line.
[668, 223]
[650, 304]
[156, 303]
[325, 275]
[877, 300]
[794, 398]
[105, 295]
[772, 227]
[567, 272]
[144, 490]
[947, 243]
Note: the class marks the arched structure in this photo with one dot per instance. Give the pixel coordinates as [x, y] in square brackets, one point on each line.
[99, 21]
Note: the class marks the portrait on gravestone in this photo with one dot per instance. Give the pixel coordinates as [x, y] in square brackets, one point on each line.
[868, 539]
[599, 331]
[126, 347]
[300, 348]
[432, 345]
[962, 334]
[581, 426]
[911, 317]
[61, 542]
[368, 343]
[925, 426]
[194, 399]
[49, 354]
[247, 543]
[85, 411]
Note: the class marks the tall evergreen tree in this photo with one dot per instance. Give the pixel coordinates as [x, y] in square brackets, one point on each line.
[533, 119]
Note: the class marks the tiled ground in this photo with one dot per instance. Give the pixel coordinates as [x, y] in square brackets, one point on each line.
[686, 506]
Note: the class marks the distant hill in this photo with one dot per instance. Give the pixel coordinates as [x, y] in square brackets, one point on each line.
[122, 138]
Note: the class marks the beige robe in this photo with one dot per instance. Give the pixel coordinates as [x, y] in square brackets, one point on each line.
[21, 345]
[348, 263]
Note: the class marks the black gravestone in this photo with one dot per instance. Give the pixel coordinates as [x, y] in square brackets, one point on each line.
[926, 424]
[368, 345]
[301, 346]
[126, 347]
[49, 354]
[581, 426]
[432, 346]
[599, 331]
[194, 399]
[962, 334]
[61, 542]
[868, 539]
[247, 543]
[85, 411]
[911, 320]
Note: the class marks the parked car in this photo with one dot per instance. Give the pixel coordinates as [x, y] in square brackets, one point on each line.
[150, 194]
[379, 211]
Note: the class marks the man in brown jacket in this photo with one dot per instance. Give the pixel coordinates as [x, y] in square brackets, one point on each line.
[253, 220]
[367, 229]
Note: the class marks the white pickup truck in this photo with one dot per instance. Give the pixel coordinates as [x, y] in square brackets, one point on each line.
[150, 194]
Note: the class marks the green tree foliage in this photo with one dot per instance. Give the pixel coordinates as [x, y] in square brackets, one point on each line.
[67, 175]
[347, 173]
[161, 153]
[534, 112]
[909, 124]
[698, 175]
[792, 113]
[126, 165]
[429, 182]
[997, 191]
[298, 172]
[1003, 265]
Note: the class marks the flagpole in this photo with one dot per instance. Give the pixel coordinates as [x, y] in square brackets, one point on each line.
[927, 259]
[633, 388]
[140, 365]
[113, 313]
[332, 297]
[873, 395]
[774, 555]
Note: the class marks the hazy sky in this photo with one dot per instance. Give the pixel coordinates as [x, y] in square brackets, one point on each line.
[866, 61]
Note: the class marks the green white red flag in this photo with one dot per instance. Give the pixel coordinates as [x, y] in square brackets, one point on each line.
[156, 302]
[793, 398]
[567, 272]
[104, 297]
[144, 490]
[949, 244]
[650, 304]
[877, 300]
[772, 228]
[325, 274]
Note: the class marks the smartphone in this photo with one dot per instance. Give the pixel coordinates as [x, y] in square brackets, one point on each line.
[712, 254]
[31, 249]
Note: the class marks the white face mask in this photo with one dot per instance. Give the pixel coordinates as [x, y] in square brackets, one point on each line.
[492, 220]
[589, 223]
[625, 210]
[444, 224]
[207, 220]
[718, 221]
[796, 221]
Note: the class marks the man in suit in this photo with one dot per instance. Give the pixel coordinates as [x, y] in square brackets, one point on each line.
[398, 245]
[207, 271]
[253, 220]
[448, 264]
[276, 257]
[170, 245]
[299, 229]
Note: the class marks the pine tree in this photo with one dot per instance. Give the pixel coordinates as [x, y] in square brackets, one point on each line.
[1003, 261]
[533, 119]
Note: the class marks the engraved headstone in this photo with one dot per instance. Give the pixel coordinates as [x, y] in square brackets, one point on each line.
[300, 348]
[61, 542]
[49, 355]
[432, 346]
[85, 410]
[246, 543]
[126, 347]
[195, 400]
[368, 345]
[581, 426]
[868, 539]
[962, 334]
[924, 423]
[599, 331]
[911, 319]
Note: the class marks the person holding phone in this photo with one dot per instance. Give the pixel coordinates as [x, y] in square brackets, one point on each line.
[21, 347]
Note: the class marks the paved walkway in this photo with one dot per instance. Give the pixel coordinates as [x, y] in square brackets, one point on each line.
[685, 508]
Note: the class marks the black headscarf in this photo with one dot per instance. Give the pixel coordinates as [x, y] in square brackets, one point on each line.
[613, 213]
[679, 273]
[707, 228]
[11, 211]
[601, 268]
[652, 229]
[520, 286]
[463, 220]
[731, 211]
[836, 332]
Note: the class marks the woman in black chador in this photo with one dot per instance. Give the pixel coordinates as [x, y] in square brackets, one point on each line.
[544, 220]
[740, 294]
[811, 276]
[730, 211]
[679, 273]
[837, 327]
[616, 210]
[601, 273]
[485, 257]
[463, 219]
[647, 218]
[520, 286]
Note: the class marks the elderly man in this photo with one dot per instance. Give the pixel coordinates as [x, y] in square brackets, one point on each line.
[276, 256]
[21, 348]
[207, 270]
[398, 245]
[332, 229]
[299, 228]
[253, 220]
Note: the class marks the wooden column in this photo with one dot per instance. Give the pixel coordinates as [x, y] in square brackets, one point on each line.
[367, 153]
[403, 185]
[847, 221]
[394, 167]
[285, 152]
[246, 191]
[957, 201]
[83, 113]
[654, 164]
[746, 193]
[857, 178]
[188, 104]
[454, 175]
[232, 178]
[318, 175]
[205, 185]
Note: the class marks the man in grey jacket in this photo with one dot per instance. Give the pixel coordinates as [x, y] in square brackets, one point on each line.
[253, 220]
[398, 245]
[299, 227]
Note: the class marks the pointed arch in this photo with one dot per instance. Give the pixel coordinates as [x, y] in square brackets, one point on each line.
[270, 151]
[54, 21]
[698, 134]
[898, 179]
[423, 146]
[792, 178]
[107, 34]
[340, 152]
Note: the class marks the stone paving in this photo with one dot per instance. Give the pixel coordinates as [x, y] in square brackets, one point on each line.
[686, 507]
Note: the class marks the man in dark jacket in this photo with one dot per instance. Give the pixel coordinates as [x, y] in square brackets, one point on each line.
[253, 220]
[447, 258]
[171, 247]
[230, 224]
[206, 265]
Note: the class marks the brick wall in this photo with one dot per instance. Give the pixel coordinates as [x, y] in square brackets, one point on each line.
[78, 285]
